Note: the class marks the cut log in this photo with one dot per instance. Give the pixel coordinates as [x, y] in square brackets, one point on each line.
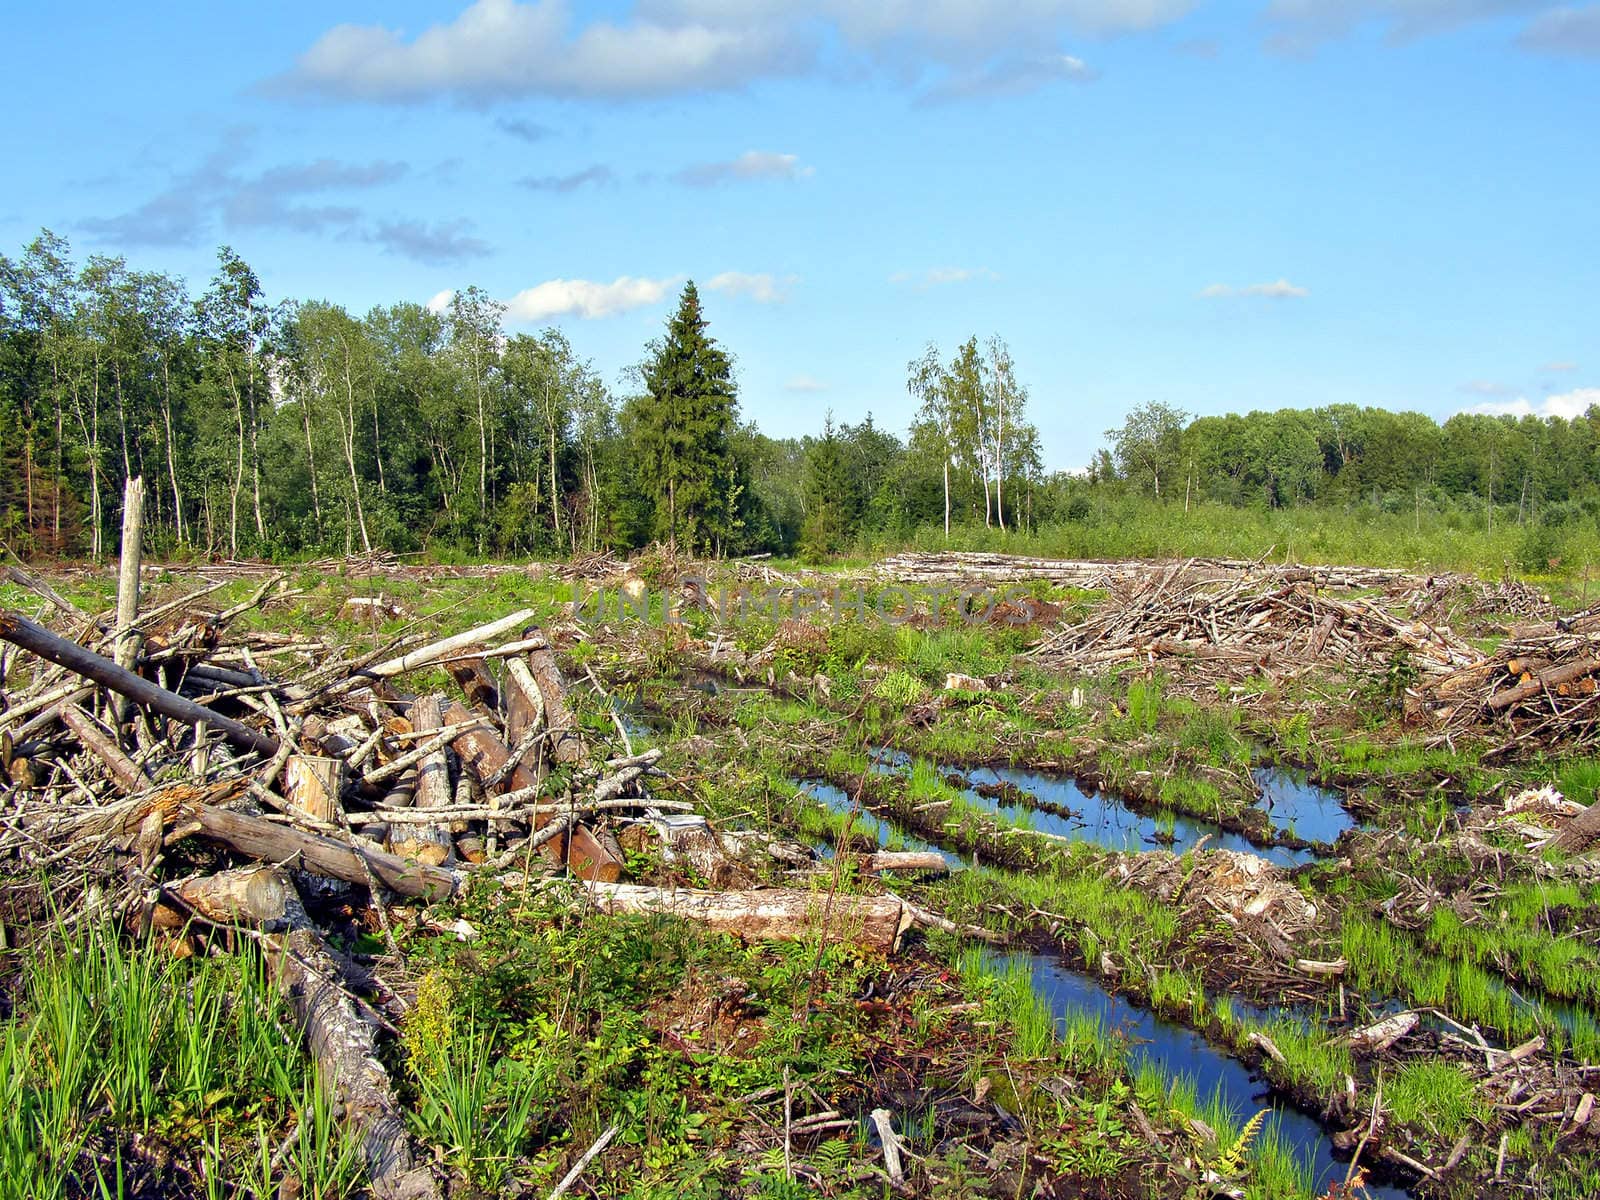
[1380, 1035]
[904, 860]
[1550, 679]
[524, 702]
[567, 745]
[35, 639]
[313, 785]
[269, 842]
[129, 775]
[874, 922]
[342, 1044]
[429, 844]
[476, 682]
[484, 754]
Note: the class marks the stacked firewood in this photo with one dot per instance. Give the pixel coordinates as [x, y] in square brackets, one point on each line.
[1204, 631]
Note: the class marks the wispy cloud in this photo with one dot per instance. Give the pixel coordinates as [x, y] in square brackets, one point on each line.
[598, 175]
[524, 130]
[585, 298]
[501, 50]
[763, 289]
[1485, 387]
[1573, 31]
[1280, 289]
[804, 384]
[219, 191]
[1559, 366]
[751, 165]
[941, 276]
[439, 244]
[1014, 76]
[1568, 405]
[1300, 26]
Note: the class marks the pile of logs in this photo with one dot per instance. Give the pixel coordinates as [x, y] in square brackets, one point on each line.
[991, 570]
[1541, 687]
[1207, 631]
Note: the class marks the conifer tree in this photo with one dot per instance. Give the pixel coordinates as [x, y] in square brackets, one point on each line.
[685, 426]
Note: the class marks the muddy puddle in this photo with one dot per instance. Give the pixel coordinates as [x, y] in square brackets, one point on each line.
[1296, 805]
[1176, 1052]
[1096, 817]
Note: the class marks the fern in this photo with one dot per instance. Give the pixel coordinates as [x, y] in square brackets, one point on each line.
[1231, 1164]
[831, 1157]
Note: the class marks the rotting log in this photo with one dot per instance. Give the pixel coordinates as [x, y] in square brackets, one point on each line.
[35, 639]
[341, 1042]
[1578, 834]
[283, 844]
[875, 922]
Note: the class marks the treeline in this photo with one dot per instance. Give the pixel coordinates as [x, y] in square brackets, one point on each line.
[1343, 454]
[273, 428]
[283, 428]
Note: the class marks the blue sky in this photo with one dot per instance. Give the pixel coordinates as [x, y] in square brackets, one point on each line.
[1223, 206]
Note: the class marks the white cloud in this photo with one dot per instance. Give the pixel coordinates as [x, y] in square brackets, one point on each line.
[585, 298]
[940, 276]
[763, 289]
[1565, 404]
[804, 384]
[498, 49]
[752, 164]
[1485, 387]
[502, 49]
[1559, 366]
[441, 301]
[1280, 289]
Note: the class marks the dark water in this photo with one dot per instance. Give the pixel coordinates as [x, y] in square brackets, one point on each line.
[1101, 819]
[836, 800]
[1295, 804]
[1177, 1051]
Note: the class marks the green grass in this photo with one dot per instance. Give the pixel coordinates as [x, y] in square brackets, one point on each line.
[111, 1045]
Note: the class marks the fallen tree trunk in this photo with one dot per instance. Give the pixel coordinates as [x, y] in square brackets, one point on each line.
[426, 655]
[875, 922]
[283, 844]
[340, 1041]
[35, 639]
[129, 775]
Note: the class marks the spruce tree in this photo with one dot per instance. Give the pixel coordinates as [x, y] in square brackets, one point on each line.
[687, 421]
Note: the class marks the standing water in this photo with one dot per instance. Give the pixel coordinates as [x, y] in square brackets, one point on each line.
[1177, 1051]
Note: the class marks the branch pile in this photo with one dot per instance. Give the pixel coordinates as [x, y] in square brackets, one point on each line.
[1228, 630]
